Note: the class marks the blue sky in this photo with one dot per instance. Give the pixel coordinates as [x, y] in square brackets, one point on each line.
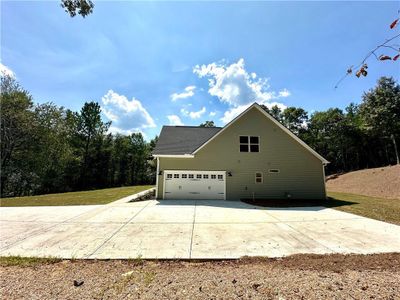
[157, 63]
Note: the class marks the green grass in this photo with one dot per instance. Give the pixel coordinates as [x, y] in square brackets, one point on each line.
[75, 198]
[387, 210]
[9, 261]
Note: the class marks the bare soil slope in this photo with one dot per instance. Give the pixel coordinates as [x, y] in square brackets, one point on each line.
[378, 182]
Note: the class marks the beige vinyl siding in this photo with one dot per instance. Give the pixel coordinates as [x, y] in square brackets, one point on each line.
[300, 172]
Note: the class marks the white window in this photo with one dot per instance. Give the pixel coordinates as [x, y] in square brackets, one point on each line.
[169, 176]
[259, 177]
[191, 176]
[198, 176]
[205, 176]
[249, 143]
[176, 175]
[184, 175]
[213, 176]
[220, 177]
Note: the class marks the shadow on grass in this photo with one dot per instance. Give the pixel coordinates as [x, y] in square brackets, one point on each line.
[330, 202]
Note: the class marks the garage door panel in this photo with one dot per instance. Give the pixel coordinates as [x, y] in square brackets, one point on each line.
[194, 185]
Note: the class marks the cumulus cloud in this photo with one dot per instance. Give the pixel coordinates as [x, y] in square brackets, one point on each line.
[233, 112]
[174, 120]
[212, 113]
[188, 92]
[193, 114]
[4, 70]
[127, 116]
[284, 93]
[235, 86]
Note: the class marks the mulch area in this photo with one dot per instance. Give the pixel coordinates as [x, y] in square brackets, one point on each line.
[295, 277]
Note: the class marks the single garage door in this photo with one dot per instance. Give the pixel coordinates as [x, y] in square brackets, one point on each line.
[194, 185]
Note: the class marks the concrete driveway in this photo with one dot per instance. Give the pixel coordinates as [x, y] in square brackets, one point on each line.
[188, 229]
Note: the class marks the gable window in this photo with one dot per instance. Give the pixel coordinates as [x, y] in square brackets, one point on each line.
[249, 143]
[259, 177]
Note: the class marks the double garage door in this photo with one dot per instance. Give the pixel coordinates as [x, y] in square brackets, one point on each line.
[194, 185]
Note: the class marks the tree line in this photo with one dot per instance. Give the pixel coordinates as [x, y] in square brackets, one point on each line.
[46, 148]
[362, 136]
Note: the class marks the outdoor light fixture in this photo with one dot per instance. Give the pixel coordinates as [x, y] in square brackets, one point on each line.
[159, 173]
[230, 174]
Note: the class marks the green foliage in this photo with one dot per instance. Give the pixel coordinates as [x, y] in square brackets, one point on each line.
[80, 7]
[207, 124]
[48, 149]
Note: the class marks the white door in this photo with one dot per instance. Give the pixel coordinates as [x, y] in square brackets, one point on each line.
[194, 185]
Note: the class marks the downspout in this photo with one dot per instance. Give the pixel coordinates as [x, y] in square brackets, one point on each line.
[157, 171]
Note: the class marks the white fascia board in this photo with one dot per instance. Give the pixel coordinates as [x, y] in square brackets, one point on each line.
[291, 134]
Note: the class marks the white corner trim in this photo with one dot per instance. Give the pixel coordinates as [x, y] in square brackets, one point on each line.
[291, 134]
[174, 155]
[157, 171]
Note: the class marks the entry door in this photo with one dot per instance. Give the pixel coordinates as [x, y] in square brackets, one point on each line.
[208, 185]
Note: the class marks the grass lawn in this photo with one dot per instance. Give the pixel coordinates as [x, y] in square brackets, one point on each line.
[387, 210]
[75, 198]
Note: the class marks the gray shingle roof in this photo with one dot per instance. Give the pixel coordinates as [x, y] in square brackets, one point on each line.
[176, 140]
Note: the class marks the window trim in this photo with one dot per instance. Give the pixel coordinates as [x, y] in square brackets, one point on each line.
[249, 144]
[255, 177]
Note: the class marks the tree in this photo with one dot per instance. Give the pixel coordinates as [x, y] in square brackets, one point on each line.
[207, 124]
[381, 111]
[80, 7]
[17, 137]
[89, 137]
[295, 119]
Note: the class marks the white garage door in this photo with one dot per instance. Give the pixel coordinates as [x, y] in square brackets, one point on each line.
[194, 185]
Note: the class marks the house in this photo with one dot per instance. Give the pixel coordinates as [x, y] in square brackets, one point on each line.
[253, 156]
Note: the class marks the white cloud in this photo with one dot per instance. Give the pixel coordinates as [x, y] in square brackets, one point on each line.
[174, 120]
[126, 116]
[284, 93]
[212, 113]
[232, 113]
[235, 86]
[188, 92]
[4, 70]
[193, 114]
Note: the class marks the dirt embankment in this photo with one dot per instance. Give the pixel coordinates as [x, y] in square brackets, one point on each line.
[295, 277]
[378, 182]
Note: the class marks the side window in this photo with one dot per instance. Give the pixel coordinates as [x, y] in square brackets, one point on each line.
[220, 177]
[249, 143]
[259, 177]
[244, 143]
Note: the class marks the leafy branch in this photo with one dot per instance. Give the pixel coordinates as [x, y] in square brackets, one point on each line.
[361, 68]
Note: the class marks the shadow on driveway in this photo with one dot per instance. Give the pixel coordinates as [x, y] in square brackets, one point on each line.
[306, 205]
